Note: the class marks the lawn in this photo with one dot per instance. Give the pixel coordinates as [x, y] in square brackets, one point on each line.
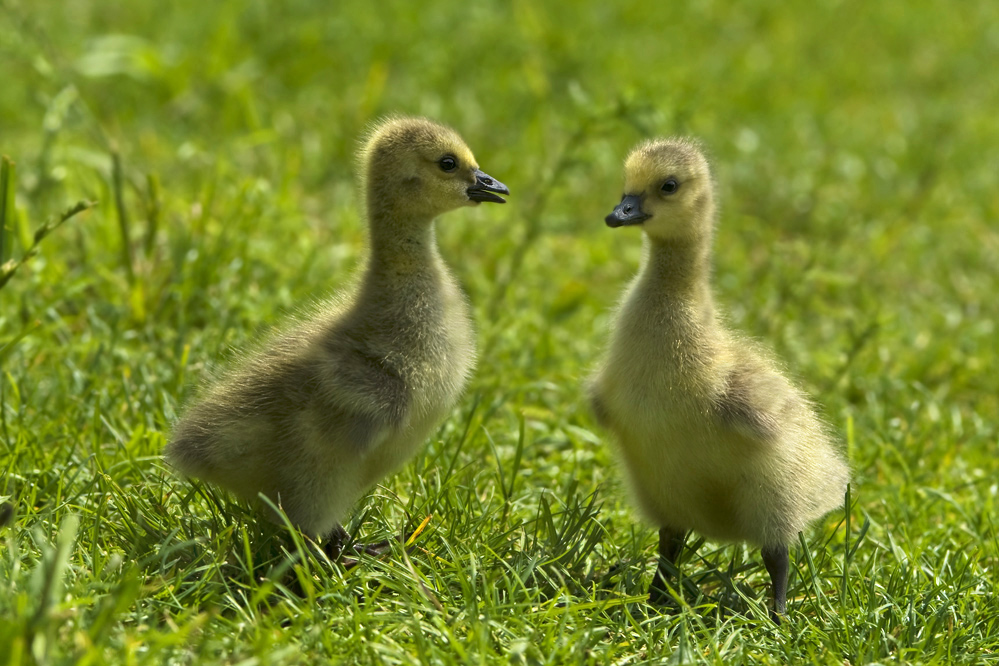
[212, 146]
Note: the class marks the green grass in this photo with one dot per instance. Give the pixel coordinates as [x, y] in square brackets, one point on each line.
[854, 146]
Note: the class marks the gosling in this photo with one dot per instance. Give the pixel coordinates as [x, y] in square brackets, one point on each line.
[713, 437]
[343, 396]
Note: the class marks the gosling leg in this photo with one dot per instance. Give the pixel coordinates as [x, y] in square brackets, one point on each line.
[338, 540]
[335, 541]
[775, 559]
[670, 547]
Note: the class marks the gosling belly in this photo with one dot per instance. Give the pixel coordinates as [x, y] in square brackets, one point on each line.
[690, 484]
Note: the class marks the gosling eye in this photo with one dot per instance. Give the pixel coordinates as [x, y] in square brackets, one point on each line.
[448, 163]
[670, 186]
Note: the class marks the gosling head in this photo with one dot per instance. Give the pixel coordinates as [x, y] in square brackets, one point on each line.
[667, 191]
[416, 168]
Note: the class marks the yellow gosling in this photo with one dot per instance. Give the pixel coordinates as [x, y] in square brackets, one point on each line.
[340, 398]
[713, 437]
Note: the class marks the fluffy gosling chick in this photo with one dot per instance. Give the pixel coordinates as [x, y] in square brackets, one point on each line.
[339, 399]
[713, 437]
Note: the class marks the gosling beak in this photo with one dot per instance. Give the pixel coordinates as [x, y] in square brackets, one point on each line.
[629, 211]
[484, 187]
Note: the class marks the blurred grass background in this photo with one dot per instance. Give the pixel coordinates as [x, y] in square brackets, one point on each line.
[855, 149]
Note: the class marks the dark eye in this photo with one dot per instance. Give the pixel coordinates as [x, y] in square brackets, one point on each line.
[670, 186]
[448, 163]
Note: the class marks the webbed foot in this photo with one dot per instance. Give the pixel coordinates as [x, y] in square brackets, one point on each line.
[339, 548]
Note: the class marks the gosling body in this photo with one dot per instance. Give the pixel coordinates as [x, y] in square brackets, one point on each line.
[713, 437]
[347, 394]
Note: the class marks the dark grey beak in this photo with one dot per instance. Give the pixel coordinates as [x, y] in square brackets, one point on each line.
[629, 211]
[485, 186]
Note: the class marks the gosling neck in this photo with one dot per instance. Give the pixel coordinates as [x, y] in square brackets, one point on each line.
[401, 244]
[679, 267]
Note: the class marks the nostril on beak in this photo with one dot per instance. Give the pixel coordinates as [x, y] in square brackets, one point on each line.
[487, 181]
[627, 209]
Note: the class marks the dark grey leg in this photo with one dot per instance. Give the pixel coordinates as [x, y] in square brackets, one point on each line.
[335, 541]
[338, 540]
[670, 547]
[776, 561]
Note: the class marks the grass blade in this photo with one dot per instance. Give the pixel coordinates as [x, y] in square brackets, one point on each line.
[7, 179]
[117, 182]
